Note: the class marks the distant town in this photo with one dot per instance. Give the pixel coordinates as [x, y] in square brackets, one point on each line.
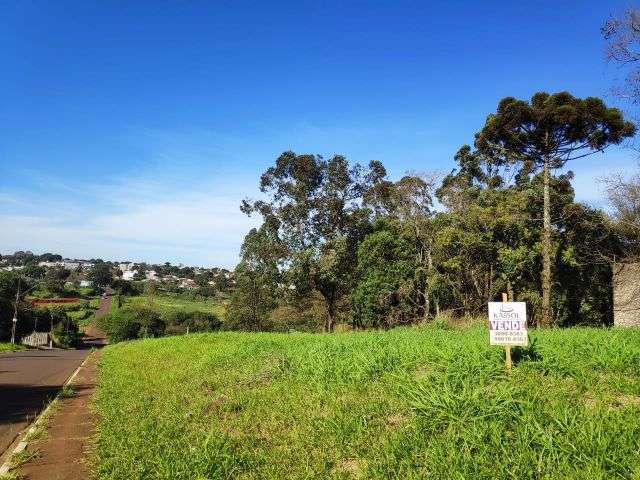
[179, 277]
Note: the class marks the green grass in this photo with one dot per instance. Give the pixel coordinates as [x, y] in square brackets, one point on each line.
[67, 392]
[85, 316]
[405, 404]
[169, 302]
[113, 306]
[11, 347]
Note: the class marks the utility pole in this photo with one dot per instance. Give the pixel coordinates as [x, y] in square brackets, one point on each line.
[15, 314]
[15, 309]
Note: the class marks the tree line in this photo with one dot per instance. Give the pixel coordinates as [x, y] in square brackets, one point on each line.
[341, 243]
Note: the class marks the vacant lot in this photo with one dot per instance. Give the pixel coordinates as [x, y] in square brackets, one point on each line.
[404, 404]
[168, 302]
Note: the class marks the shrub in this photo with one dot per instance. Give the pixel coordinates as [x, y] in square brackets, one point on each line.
[120, 325]
[177, 321]
[132, 322]
[66, 334]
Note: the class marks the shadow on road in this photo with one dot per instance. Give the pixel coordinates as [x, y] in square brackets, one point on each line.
[20, 402]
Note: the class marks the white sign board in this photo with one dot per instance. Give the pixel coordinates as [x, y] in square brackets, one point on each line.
[508, 323]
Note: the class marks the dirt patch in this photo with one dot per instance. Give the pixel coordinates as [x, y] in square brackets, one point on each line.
[350, 466]
[54, 301]
[627, 400]
[396, 420]
[423, 372]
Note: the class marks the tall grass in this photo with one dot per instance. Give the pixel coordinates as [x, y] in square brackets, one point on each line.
[406, 404]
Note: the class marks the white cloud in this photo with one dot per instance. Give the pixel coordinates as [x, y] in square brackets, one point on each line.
[200, 229]
[177, 208]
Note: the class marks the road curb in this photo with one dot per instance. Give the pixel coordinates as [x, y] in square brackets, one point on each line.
[31, 429]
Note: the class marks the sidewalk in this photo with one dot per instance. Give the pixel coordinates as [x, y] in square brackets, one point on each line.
[62, 452]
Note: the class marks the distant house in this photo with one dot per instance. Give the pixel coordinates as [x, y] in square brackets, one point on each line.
[151, 275]
[11, 268]
[188, 284]
[125, 266]
[128, 275]
[626, 295]
[48, 264]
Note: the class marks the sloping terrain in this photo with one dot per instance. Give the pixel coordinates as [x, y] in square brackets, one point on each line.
[408, 403]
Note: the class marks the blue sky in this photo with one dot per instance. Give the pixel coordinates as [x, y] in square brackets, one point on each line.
[132, 130]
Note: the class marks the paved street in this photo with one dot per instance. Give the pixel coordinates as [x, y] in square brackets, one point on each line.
[29, 378]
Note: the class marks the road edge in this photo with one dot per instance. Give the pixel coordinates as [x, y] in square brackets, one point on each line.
[23, 437]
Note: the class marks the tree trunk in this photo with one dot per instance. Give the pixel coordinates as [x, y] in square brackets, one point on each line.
[331, 315]
[427, 298]
[547, 317]
[510, 291]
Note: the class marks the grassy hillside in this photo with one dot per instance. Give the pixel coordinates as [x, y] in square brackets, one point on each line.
[404, 404]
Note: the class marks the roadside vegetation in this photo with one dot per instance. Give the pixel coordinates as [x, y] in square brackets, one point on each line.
[50, 305]
[407, 403]
[157, 313]
[11, 347]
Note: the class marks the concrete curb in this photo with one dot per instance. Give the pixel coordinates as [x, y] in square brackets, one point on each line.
[31, 429]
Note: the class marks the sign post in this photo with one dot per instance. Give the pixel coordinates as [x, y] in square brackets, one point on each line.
[508, 325]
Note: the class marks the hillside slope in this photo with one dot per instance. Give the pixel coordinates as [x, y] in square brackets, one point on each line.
[408, 403]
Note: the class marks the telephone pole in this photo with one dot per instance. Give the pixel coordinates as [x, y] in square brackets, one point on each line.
[15, 314]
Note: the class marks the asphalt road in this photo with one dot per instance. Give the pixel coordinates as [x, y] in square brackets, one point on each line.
[29, 379]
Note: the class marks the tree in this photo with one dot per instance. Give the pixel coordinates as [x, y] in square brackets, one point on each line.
[408, 204]
[315, 206]
[383, 295]
[624, 195]
[100, 274]
[34, 271]
[547, 132]
[55, 279]
[257, 280]
[622, 35]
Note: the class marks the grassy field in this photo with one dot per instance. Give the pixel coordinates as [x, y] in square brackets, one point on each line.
[81, 315]
[168, 302]
[404, 404]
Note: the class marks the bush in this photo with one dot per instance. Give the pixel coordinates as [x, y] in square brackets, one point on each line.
[178, 321]
[307, 315]
[66, 334]
[132, 322]
[75, 307]
[119, 326]
[151, 325]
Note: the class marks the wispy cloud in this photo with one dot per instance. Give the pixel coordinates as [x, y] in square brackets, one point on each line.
[177, 208]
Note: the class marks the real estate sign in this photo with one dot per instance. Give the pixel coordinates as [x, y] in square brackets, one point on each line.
[508, 323]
